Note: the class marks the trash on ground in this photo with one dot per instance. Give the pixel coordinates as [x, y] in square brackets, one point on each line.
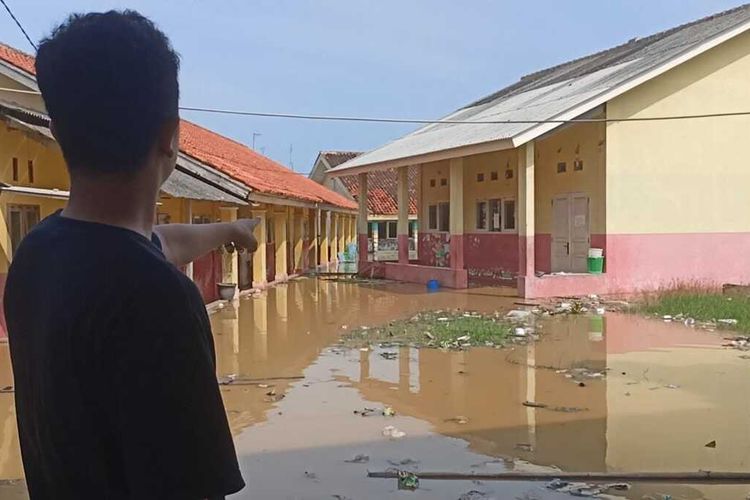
[389, 355]
[524, 447]
[389, 412]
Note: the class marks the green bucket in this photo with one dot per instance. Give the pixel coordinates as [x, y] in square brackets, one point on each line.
[596, 265]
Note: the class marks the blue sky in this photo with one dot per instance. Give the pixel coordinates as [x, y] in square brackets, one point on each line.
[389, 58]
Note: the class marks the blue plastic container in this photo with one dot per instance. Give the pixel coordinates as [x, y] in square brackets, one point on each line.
[433, 285]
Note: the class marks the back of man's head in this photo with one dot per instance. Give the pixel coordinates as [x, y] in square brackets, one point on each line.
[109, 81]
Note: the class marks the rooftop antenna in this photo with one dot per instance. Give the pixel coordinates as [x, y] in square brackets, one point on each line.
[291, 162]
[255, 134]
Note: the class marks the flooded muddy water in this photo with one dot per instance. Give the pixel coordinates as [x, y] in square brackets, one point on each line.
[668, 391]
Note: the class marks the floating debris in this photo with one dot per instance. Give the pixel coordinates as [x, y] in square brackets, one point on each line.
[358, 459]
[461, 420]
[390, 431]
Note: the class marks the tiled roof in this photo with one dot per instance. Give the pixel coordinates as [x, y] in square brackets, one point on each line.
[234, 159]
[336, 158]
[252, 169]
[381, 191]
[515, 112]
[17, 58]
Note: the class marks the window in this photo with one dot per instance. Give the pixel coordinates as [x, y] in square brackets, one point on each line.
[31, 171]
[438, 217]
[444, 217]
[22, 218]
[495, 215]
[432, 217]
[562, 167]
[15, 169]
[482, 215]
[480, 177]
[578, 165]
[509, 215]
[370, 230]
[412, 228]
[392, 229]
[444, 181]
[493, 175]
[432, 183]
[382, 230]
[201, 219]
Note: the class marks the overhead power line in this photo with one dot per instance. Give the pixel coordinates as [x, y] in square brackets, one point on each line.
[419, 121]
[18, 23]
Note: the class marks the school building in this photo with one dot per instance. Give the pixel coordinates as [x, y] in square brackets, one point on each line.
[382, 204]
[637, 151]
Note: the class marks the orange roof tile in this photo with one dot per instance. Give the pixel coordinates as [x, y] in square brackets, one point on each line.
[19, 59]
[252, 169]
[381, 191]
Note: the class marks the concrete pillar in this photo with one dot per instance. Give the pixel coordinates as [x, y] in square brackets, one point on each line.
[362, 219]
[325, 223]
[280, 238]
[525, 209]
[457, 213]
[299, 244]
[259, 257]
[402, 195]
[188, 211]
[334, 237]
[229, 260]
[317, 240]
[341, 244]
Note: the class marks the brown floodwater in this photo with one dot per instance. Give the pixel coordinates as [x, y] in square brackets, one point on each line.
[668, 391]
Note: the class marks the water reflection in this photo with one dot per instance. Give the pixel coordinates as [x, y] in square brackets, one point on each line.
[668, 390]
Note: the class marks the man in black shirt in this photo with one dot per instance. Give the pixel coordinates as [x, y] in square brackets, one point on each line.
[111, 346]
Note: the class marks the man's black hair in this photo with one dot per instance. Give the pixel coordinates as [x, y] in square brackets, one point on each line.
[109, 81]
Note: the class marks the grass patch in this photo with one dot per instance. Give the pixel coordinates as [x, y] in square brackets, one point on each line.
[435, 329]
[701, 305]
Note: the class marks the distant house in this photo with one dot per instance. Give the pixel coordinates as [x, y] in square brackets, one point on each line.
[382, 203]
[521, 191]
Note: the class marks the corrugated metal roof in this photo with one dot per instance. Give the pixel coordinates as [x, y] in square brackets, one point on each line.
[547, 94]
[183, 185]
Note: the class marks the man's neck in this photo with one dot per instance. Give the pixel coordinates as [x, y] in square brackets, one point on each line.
[129, 203]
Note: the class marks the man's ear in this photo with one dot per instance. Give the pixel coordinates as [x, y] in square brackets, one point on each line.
[168, 142]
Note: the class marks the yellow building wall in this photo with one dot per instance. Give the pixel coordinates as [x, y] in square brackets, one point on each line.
[49, 172]
[581, 141]
[683, 176]
[431, 195]
[474, 190]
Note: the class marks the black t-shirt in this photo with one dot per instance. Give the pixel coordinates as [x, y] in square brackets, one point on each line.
[114, 368]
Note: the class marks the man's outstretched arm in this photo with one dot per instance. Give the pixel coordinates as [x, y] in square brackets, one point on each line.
[183, 243]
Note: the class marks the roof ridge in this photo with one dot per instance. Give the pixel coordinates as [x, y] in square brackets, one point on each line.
[238, 143]
[635, 44]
